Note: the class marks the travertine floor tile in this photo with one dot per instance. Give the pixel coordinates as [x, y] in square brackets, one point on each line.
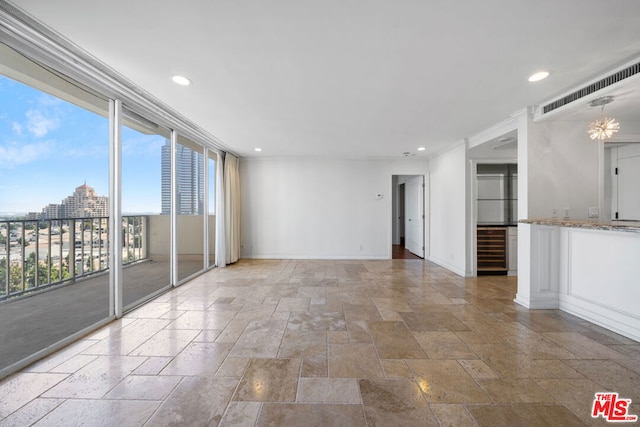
[328, 390]
[269, 380]
[152, 366]
[62, 356]
[202, 320]
[124, 341]
[575, 394]
[308, 344]
[233, 367]
[310, 415]
[317, 320]
[523, 415]
[167, 342]
[198, 359]
[395, 402]
[444, 345]
[433, 321]
[259, 339]
[31, 412]
[396, 369]
[195, 401]
[611, 375]
[315, 367]
[452, 415]
[73, 364]
[582, 347]
[136, 387]
[354, 361]
[358, 332]
[445, 381]
[95, 379]
[514, 390]
[90, 412]
[241, 414]
[477, 369]
[394, 341]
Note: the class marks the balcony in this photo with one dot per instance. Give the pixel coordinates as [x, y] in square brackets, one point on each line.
[70, 291]
[62, 251]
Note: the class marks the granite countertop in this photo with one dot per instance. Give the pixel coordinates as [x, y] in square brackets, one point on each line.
[631, 226]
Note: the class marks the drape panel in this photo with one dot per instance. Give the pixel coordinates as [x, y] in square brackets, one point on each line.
[221, 257]
[232, 208]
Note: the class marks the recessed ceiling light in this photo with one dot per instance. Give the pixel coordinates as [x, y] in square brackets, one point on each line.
[181, 80]
[540, 75]
[421, 148]
[257, 149]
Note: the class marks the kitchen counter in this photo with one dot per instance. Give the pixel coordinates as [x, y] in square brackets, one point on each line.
[587, 268]
[630, 226]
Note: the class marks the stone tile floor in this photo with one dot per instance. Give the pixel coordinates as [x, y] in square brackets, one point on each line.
[330, 343]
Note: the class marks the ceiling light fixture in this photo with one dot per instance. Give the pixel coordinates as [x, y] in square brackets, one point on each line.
[603, 127]
[181, 80]
[257, 149]
[421, 148]
[540, 75]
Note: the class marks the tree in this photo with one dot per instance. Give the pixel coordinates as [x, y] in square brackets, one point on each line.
[15, 278]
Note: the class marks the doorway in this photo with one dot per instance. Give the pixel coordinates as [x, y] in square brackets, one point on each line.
[408, 217]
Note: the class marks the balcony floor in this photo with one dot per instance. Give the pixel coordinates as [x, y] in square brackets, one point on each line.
[322, 343]
[32, 323]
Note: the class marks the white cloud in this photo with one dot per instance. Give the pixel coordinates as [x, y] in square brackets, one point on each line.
[39, 125]
[17, 128]
[14, 154]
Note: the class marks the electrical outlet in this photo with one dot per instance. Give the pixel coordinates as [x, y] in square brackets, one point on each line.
[565, 213]
[594, 212]
[554, 213]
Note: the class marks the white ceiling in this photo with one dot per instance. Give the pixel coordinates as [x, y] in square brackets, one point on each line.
[349, 78]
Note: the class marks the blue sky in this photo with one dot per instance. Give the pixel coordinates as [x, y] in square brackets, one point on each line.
[48, 147]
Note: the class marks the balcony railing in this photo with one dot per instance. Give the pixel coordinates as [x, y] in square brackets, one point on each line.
[39, 254]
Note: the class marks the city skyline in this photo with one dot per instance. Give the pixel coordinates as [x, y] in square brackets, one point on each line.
[48, 146]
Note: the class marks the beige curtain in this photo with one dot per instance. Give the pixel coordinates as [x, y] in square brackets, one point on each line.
[232, 208]
[221, 241]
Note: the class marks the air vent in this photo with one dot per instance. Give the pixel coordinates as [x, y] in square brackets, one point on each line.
[594, 87]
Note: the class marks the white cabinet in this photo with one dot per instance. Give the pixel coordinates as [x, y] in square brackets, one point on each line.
[512, 251]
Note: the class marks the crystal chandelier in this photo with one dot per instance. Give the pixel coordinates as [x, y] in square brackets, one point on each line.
[603, 127]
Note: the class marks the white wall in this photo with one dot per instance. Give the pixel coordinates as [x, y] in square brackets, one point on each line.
[564, 168]
[448, 177]
[319, 208]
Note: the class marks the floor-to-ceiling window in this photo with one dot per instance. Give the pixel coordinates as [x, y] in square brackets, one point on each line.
[54, 208]
[189, 206]
[65, 192]
[146, 208]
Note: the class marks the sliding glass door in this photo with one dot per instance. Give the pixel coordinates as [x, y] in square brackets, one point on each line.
[189, 206]
[146, 226]
[54, 210]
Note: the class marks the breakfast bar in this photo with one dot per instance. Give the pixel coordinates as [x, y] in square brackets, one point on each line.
[590, 269]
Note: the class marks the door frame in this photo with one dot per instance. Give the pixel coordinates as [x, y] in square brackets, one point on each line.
[396, 181]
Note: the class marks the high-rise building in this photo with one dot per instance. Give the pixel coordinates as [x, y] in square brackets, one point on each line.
[189, 177]
[81, 204]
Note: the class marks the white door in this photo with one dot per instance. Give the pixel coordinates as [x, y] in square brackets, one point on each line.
[414, 215]
[628, 193]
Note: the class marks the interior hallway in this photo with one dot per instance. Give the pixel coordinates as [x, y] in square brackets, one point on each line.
[400, 252]
[328, 343]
